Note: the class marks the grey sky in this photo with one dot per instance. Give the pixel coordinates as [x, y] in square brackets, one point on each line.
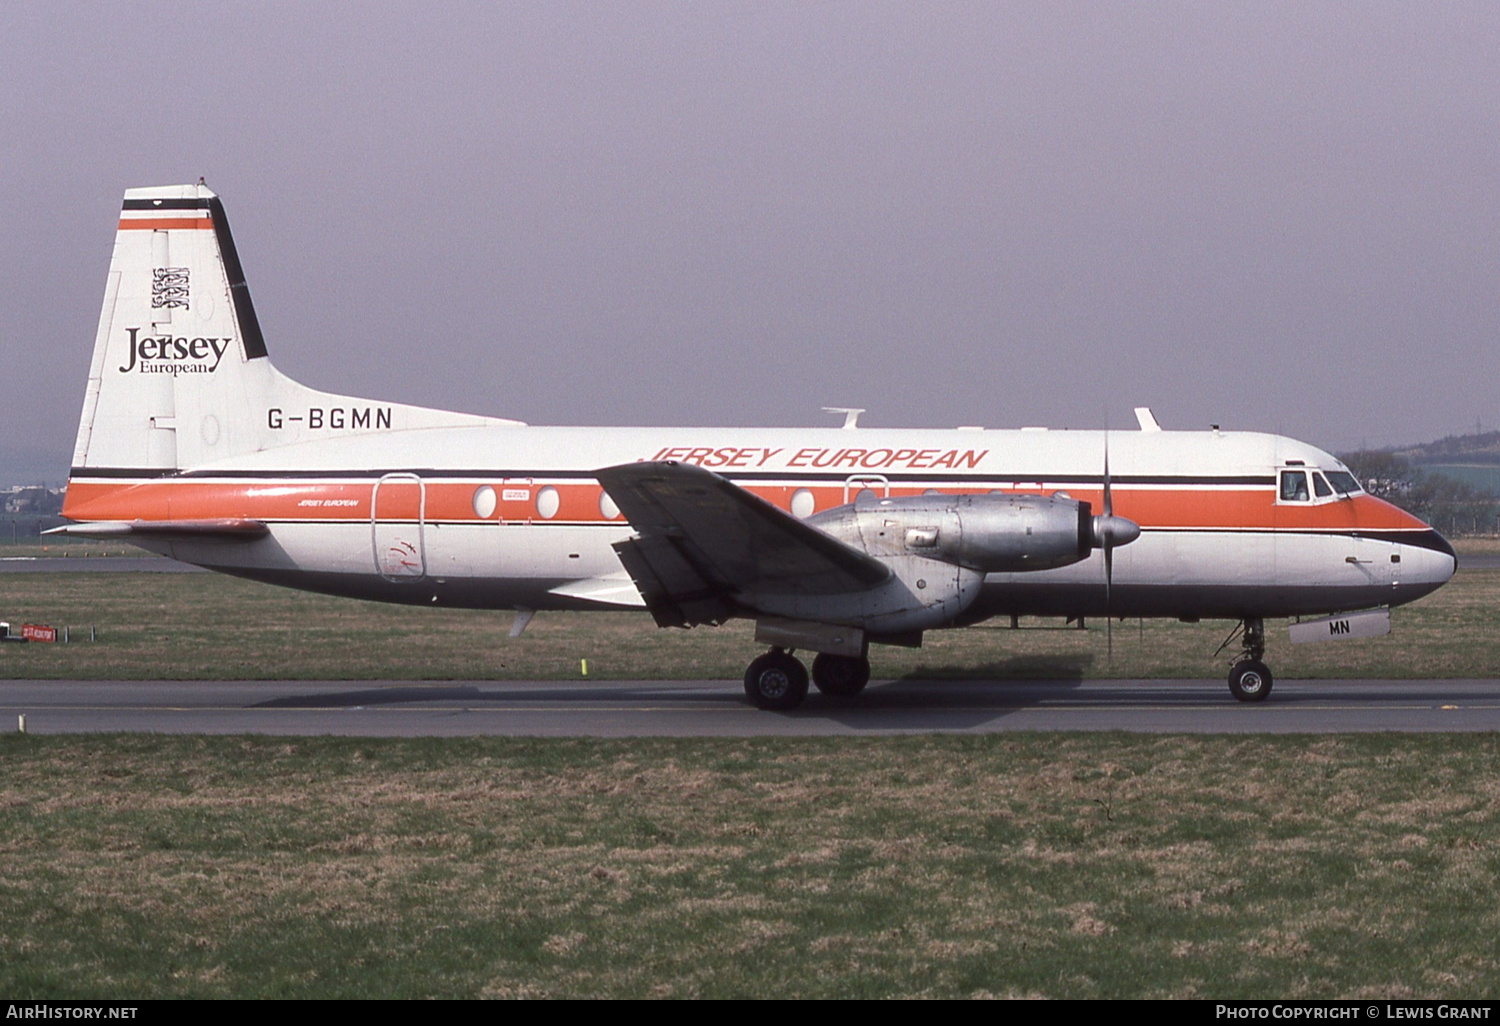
[1270, 216]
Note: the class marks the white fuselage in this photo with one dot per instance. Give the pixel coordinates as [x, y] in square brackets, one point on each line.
[512, 517]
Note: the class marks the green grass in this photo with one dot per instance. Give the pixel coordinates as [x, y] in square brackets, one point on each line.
[1006, 865]
[206, 626]
[1009, 865]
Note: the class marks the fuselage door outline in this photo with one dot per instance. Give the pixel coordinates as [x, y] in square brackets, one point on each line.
[877, 483]
[398, 513]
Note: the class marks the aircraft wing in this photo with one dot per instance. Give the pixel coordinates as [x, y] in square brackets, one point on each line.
[701, 541]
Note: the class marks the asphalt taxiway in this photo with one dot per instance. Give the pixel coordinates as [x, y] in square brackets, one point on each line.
[718, 708]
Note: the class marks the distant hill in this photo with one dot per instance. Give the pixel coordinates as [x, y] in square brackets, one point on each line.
[1473, 460]
[1452, 483]
[1481, 449]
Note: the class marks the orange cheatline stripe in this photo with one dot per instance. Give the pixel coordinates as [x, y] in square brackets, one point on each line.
[126, 224]
[350, 501]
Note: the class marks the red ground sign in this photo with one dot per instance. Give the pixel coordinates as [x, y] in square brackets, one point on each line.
[36, 632]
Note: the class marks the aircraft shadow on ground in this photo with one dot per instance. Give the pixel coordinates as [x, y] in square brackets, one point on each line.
[561, 694]
[927, 698]
[1004, 681]
[910, 703]
[1015, 670]
[939, 698]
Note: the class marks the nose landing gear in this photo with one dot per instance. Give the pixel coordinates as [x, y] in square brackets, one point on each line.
[1250, 679]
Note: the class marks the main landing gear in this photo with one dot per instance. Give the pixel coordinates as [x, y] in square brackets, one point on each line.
[1250, 679]
[778, 680]
[840, 675]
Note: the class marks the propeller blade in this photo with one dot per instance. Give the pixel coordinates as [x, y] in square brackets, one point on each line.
[1109, 622]
[1109, 557]
[1111, 531]
[1109, 504]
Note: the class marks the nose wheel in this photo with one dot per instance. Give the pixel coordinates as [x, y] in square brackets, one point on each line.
[1250, 679]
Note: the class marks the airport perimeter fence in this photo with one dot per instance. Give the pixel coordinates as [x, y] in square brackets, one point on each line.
[26, 528]
[1463, 520]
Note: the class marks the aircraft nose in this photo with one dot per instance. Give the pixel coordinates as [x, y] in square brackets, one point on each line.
[1452, 566]
[1438, 543]
[1426, 565]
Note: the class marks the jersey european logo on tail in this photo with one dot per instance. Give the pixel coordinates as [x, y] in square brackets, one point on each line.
[163, 354]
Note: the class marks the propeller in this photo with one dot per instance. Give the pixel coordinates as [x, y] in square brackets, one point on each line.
[1109, 558]
[1110, 532]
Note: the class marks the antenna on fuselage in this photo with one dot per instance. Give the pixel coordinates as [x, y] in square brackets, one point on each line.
[1146, 419]
[851, 415]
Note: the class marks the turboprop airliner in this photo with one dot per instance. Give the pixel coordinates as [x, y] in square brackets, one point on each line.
[191, 444]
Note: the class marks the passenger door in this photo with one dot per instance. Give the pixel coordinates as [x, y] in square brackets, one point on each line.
[397, 515]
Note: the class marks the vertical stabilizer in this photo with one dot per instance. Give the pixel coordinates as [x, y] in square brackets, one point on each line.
[180, 377]
[167, 314]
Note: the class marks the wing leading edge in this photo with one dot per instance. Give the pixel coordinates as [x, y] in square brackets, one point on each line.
[703, 545]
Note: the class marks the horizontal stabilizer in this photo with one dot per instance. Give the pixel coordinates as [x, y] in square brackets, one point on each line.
[227, 527]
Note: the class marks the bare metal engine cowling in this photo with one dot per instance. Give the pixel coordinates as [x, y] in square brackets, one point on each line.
[938, 549]
[987, 533]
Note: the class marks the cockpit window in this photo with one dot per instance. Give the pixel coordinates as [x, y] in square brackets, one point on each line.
[1343, 482]
[1324, 484]
[1293, 486]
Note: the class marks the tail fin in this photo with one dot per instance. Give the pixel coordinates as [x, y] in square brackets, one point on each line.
[180, 376]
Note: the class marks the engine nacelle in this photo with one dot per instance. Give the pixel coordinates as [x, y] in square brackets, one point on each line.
[938, 549]
[988, 533]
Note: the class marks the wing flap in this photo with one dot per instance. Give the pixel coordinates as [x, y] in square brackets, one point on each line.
[701, 541]
[675, 592]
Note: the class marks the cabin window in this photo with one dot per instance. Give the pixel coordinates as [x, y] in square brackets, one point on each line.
[1293, 486]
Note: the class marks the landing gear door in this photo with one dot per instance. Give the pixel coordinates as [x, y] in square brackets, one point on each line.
[397, 515]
